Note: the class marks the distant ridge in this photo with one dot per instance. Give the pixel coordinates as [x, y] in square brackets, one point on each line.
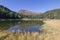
[27, 12]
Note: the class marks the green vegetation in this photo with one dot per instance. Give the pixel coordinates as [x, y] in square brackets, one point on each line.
[31, 16]
[32, 21]
[52, 14]
[4, 25]
[5, 13]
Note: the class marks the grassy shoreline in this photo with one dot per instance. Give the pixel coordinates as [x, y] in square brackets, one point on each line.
[51, 27]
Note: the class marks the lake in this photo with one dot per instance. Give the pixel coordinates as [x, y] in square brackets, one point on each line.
[23, 25]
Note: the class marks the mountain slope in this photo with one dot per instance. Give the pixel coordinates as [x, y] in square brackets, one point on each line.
[51, 14]
[6, 13]
[27, 12]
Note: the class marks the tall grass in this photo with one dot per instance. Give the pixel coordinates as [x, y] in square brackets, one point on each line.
[19, 35]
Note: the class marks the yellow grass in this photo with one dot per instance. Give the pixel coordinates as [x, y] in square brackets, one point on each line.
[53, 29]
[19, 35]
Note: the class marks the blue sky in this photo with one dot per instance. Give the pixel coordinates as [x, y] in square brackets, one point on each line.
[33, 5]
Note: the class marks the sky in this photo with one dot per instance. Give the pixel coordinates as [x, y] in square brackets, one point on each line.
[32, 5]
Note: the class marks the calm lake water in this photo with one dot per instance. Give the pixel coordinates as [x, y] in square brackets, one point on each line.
[23, 25]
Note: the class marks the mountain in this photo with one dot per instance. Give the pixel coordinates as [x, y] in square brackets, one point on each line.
[6, 13]
[51, 14]
[27, 12]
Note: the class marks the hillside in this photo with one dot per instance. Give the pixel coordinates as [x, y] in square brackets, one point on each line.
[29, 14]
[51, 14]
[6, 13]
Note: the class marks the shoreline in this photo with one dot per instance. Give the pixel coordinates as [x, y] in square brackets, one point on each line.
[26, 19]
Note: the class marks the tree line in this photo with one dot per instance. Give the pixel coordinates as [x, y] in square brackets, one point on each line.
[6, 13]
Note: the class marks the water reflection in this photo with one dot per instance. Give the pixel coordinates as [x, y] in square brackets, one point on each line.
[33, 29]
[21, 24]
[29, 29]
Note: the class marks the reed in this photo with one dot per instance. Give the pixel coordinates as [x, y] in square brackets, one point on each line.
[19, 35]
